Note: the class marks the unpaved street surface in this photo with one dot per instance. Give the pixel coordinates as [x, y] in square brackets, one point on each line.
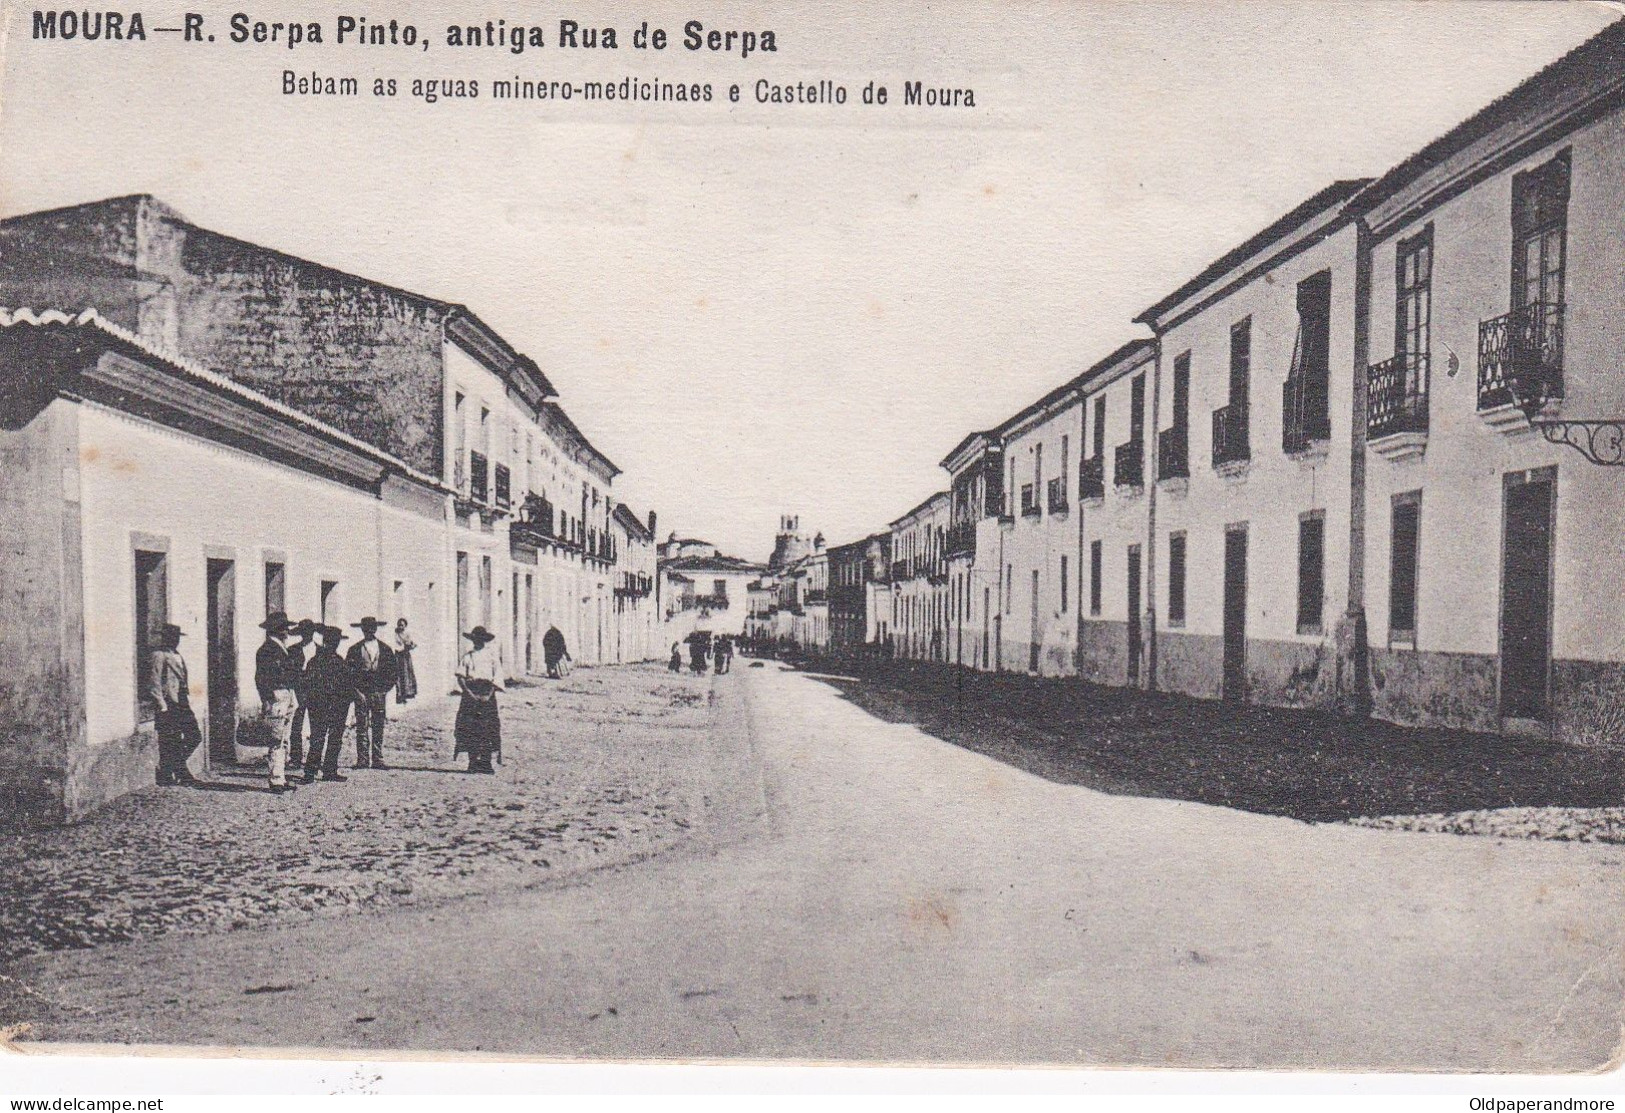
[598, 768]
[864, 889]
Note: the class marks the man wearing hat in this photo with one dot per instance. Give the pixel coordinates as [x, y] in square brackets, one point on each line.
[178, 733]
[373, 664]
[275, 675]
[329, 690]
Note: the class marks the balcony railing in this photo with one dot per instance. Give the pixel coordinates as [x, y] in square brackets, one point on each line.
[1396, 392]
[1230, 435]
[1092, 478]
[1305, 412]
[1029, 501]
[478, 478]
[1520, 357]
[961, 539]
[634, 585]
[718, 602]
[1055, 495]
[1174, 453]
[535, 521]
[504, 487]
[1128, 468]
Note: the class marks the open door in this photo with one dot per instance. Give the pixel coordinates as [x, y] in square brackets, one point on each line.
[1235, 613]
[1526, 595]
[222, 654]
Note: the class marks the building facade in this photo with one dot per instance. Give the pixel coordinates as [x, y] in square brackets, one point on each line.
[489, 506]
[1362, 463]
[919, 577]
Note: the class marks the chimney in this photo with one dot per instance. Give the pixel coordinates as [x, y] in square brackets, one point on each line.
[652, 532]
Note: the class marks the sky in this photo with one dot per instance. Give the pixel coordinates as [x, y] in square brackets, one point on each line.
[786, 309]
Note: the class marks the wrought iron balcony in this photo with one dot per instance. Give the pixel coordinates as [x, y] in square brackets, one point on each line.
[478, 478]
[504, 487]
[1396, 395]
[1305, 412]
[1055, 495]
[1092, 478]
[535, 521]
[1231, 443]
[1029, 501]
[1128, 467]
[961, 539]
[1174, 453]
[1520, 357]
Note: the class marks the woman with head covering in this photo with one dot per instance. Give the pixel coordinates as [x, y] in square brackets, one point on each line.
[479, 678]
[406, 683]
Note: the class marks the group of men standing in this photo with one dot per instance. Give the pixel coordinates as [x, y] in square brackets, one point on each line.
[302, 679]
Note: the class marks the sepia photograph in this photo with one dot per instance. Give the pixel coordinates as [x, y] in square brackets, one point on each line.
[1060, 534]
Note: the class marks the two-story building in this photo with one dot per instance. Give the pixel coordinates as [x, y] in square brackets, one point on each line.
[1492, 551]
[1249, 537]
[919, 578]
[423, 385]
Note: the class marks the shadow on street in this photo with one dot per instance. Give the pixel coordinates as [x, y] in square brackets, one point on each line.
[1307, 765]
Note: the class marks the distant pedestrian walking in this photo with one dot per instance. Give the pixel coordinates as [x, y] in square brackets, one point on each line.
[676, 663]
[329, 690]
[724, 654]
[275, 677]
[479, 725]
[698, 651]
[178, 733]
[406, 681]
[555, 653]
[375, 672]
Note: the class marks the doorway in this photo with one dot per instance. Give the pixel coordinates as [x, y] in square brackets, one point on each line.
[222, 657]
[1035, 645]
[1134, 616]
[1235, 613]
[1526, 594]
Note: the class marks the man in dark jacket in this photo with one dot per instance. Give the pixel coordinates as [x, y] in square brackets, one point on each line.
[275, 675]
[301, 652]
[329, 690]
[372, 663]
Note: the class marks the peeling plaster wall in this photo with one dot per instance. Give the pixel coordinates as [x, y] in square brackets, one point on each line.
[42, 670]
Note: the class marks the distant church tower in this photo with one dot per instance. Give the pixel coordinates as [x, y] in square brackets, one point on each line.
[790, 546]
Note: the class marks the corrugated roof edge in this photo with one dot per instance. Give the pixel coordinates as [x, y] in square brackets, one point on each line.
[89, 318]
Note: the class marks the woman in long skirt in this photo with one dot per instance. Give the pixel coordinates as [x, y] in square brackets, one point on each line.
[406, 682]
[479, 678]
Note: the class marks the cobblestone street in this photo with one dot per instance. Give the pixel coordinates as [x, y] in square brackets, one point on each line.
[600, 768]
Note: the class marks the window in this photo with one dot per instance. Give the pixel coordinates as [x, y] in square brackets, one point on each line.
[1405, 539]
[1009, 585]
[1064, 607]
[1182, 391]
[1311, 571]
[151, 612]
[1176, 579]
[1094, 578]
[719, 588]
[1413, 295]
[1136, 410]
[1241, 360]
[1038, 470]
[276, 586]
[1540, 209]
[1100, 427]
[1065, 454]
[329, 602]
